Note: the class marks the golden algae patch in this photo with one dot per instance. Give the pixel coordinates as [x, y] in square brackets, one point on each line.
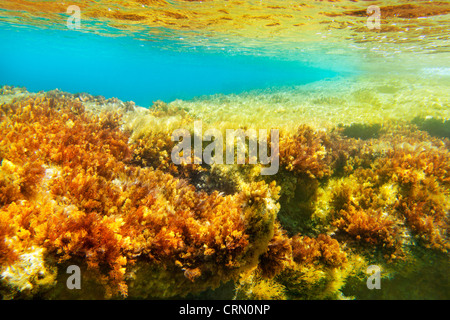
[79, 196]
[90, 181]
[364, 160]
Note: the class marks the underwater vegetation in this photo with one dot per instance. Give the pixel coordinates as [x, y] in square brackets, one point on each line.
[362, 131]
[87, 181]
[435, 127]
[70, 190]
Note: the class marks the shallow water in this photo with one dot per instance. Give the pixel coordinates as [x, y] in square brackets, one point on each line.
[249, 64]
[131, 69]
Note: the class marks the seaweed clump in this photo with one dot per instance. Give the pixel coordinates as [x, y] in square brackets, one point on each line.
[435, 127]
[383, 200]
[304, 153]
[98, 189]
[309, 268]
[362, 131]
[71, 189]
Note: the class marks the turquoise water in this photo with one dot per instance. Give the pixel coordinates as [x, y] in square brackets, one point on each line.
[141, 71]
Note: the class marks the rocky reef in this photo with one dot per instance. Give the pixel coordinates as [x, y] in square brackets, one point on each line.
[89, 181]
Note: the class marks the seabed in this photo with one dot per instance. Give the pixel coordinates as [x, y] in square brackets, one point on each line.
[363, 178]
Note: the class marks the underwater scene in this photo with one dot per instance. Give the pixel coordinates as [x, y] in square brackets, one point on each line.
[224, 150]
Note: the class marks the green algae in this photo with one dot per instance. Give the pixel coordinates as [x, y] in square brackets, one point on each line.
[435, 127]
[362, 131]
